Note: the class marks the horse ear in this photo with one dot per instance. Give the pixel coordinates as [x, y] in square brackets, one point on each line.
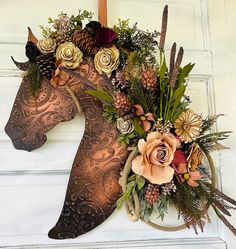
[31, 37]
[23, 66]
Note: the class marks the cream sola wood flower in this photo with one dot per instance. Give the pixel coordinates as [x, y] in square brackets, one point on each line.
[188, 126]
[124, 126]
[46, 46]
[107, 60]
[70, 55]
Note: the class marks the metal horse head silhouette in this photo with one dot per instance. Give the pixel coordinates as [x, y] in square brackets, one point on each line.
[93, 187]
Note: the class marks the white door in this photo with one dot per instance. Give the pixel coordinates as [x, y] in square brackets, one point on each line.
[33, 185]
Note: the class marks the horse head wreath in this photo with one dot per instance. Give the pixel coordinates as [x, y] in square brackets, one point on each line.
[142, 145]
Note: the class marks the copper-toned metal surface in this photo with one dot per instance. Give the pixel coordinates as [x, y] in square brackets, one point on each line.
[93, 187]
[33, 116]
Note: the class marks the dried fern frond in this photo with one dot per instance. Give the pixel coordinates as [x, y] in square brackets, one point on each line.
[210, 142]
[34, 79]
[191, 204]
[224, 220]
[209, 121]
[214, 146]
[137, 93]
[219, 203]
[132, 68]
[217, 193]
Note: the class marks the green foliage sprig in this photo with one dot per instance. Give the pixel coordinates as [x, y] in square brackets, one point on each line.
[159, 208]
[135, 182]
[135, 39]
[34, 78]
[75, 22]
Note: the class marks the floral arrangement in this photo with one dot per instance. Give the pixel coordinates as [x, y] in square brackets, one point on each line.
[146, 101]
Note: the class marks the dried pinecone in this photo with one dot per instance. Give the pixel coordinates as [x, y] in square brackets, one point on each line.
[121, 102]
[62, 38]
[85, 42]
[149, 80]
[152, 194]
[46, 64]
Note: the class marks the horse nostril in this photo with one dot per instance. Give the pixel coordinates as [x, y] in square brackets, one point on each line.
[22, 142]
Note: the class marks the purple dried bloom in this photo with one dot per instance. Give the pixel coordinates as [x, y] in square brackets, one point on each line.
[105, 37]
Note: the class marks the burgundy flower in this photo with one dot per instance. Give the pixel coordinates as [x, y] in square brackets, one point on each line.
[179, 158]
[105, 37]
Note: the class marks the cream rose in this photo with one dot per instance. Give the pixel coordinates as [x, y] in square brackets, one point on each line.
[156, 156]
[46, 46]
[107, 60]
[70, 55]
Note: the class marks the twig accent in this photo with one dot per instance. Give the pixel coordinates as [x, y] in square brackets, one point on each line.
[163, 28]
[74, 98]
[132, 210]
[225, 221]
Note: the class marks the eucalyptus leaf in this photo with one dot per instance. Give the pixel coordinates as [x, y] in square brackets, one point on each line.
[140, 181]
[100, 94]
[138, 128]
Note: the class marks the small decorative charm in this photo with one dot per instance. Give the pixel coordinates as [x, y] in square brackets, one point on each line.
[107, 60]
[124, 126]
[70, 55]
[46, 46]
[188, 126]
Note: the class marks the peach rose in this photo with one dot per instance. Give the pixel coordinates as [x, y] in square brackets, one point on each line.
[156, 156]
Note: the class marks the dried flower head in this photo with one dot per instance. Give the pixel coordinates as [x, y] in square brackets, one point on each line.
[70, 55]
[188, 126]
[107, 60]
[46, 46]
[124, 126]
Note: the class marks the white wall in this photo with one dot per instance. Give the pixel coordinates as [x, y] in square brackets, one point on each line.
[222, 21]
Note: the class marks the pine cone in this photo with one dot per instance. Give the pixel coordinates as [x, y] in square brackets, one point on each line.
[85, 42]
[62, 38]
[149, 80]
[121, 102]
[46, 64]
[152, 194]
